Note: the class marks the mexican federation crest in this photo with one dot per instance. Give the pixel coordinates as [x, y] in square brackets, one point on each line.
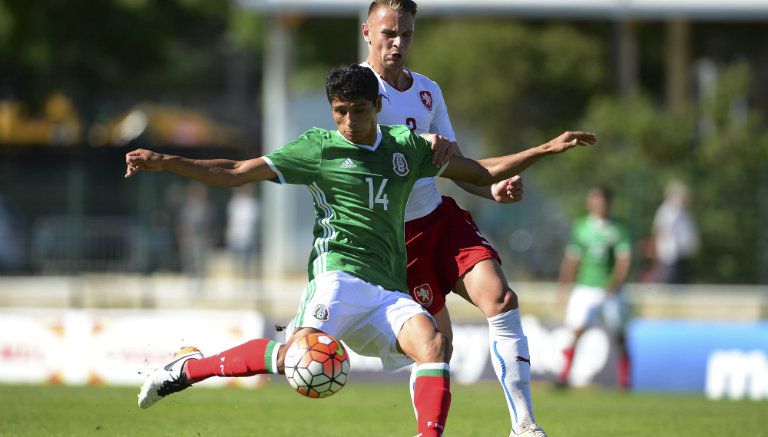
[423, 295]
[322, 313]
[399, 164]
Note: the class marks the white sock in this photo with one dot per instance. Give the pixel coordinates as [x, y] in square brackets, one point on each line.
[511, 361]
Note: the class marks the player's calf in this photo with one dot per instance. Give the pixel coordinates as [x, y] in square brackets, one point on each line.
[420, 340]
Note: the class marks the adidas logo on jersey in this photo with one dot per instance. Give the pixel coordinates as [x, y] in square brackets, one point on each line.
[347, 163]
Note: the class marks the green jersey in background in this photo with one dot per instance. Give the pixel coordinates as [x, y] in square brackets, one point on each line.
[596, 243]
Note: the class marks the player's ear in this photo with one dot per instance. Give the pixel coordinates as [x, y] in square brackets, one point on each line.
[366, 33]
[378, 103]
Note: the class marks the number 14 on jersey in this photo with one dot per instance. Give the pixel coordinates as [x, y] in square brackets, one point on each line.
[381, 197]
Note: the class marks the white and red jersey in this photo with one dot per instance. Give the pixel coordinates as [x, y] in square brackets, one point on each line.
[422, 108]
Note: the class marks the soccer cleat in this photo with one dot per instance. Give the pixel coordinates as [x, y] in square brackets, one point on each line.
[533, 430]
[167, 379]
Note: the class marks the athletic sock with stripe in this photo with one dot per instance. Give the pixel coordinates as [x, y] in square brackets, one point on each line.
[251, 358]
[512, 364]
[432, 398]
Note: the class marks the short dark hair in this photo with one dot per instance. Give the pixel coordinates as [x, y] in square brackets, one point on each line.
[395, 5]
[350, 82]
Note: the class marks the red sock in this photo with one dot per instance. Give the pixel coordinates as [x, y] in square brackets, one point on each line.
[623, 371]
[252, 358]
[568, 353]
[432, 398]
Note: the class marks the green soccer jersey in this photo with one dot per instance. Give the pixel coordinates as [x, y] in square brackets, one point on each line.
[597, 243]
[359, 193]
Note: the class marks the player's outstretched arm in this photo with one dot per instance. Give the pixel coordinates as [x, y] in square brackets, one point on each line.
[506, 191]
[224, 172]
[489, 170]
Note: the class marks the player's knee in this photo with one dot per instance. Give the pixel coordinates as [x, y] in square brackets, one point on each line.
[447, 349]
[500, 301]
[508, 300]
[448, 346]
[449, 353]
[437, 349]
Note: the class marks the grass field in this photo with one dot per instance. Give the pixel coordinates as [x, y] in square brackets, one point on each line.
[362, 409]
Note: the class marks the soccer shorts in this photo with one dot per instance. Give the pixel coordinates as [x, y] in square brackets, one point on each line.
[366, 317]
[442, 246]
[588, 306]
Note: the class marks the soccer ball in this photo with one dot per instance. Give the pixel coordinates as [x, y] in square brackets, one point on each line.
[317, 365]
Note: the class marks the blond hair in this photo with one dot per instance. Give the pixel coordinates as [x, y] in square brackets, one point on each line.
[395, 5]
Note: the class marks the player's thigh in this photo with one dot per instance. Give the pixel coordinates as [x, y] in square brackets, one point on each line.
[445, 244]
[334, 302]
[424, 284]
[470, 266]
[424, 279]
[376, 334]
[485, 286]
[420, 340]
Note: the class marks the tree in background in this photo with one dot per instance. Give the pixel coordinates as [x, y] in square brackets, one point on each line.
[731, 182]
[530, 77]
[535, 79]
[100, 53]
[719, 147]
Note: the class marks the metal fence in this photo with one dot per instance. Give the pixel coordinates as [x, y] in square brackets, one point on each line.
[85, 244]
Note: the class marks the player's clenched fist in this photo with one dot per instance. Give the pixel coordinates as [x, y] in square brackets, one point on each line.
[570, 139]
[142, 160]
[509, 190]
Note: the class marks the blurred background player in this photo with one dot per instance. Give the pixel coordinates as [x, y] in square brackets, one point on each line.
[446, 251]
[675, 237]
[240, 234]
[12, 235]
[195, 233]
[355, 270]
[597, 261]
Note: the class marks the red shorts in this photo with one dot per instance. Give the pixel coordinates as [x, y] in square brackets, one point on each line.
[442, 247]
